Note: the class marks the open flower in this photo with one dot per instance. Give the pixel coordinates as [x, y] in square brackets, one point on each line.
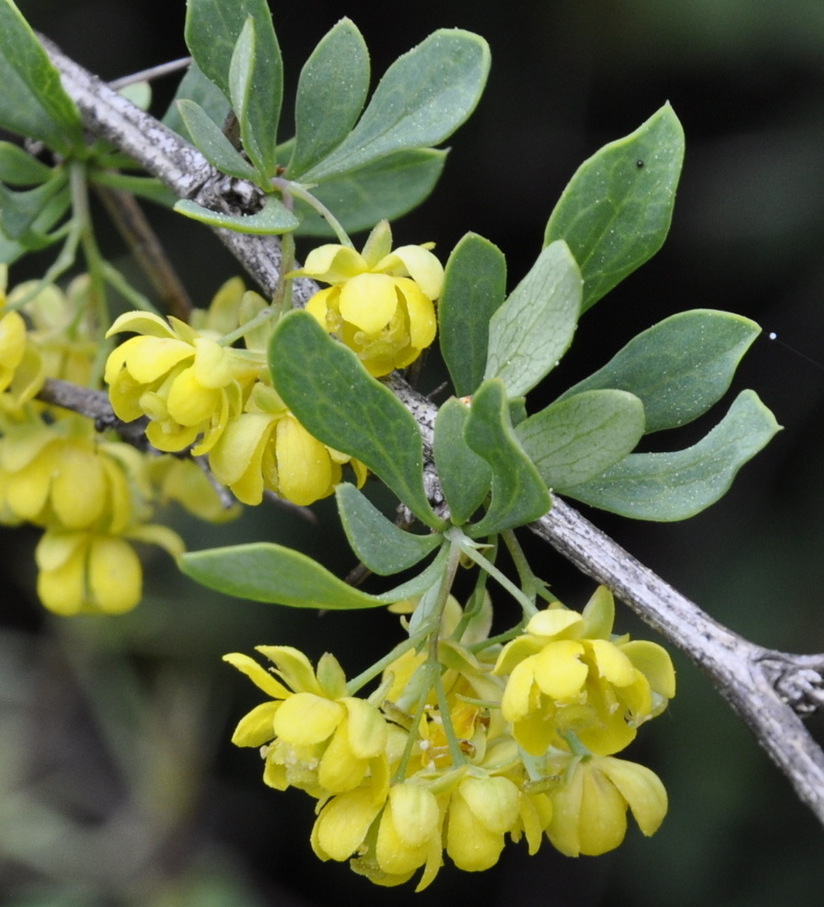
[380, 302]
[186, 383]
[315, 737]
[590, 806]
[267, 448]
[567, 673]
[86, 571]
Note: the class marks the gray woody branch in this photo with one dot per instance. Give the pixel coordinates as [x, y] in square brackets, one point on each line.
[769, 689]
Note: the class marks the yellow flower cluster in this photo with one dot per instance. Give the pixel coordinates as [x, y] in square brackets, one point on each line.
[455, 752]
[381, 301]
[198, 391]
[92, 495]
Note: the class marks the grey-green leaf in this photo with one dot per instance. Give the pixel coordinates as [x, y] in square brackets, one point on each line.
[256, 92]
[679, 484]
[678, 367]
[336, 399]
[32, 101]
[210, 139]
[18, 168]
[332, 90]
[266, 572]
[422, 99]
[274, 217]
[576, 439]
[533, 329]
[474, 288]
[616, 210]
[383, 190]
[195, 86]
[518, 493]
[378, 543]
[465, 476]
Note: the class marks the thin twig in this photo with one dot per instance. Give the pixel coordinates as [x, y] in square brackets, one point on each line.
[137, 233]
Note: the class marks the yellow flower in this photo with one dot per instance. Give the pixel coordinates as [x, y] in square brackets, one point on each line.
[86, 571]
[269, 449]
[315, 737]
[566, 674]
[72, 481]
[12, 346]
[380, 302]
[186, 383]
[590, 805]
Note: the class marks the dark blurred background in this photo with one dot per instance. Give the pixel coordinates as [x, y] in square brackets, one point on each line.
[117, 785]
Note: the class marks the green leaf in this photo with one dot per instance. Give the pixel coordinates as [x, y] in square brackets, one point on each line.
[194, 86]
[37, 236]
[378, 543]
[677, 485]
[422, 99]
[533, 329]
[20, 208]
[209, 138]
[577, 439]
[420, 583]
[18, 168]
[274, 217]
[616, 210]
[213, 32]
[678, 367]
[256, 92]
[32, 101]
[465, 476]
[383, 190]
[337, 401]
[266, 572]
[474, 288]
[518, 494]
[332, 90]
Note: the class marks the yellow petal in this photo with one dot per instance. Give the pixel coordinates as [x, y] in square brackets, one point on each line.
[256, 727]
[79, 492]
[420, 264]
[415, 814]
[61, 581]
[238, 454]
[469, 843]
[554, 622]
[141, 323]
[654, 662]
[150, 358]
[305, 469]
[611, 663]
[369, 301]
[365, 728]
[258, 675]
[293, 666]
[641, 788]
[189, 402]
[493, 801]
[341, 827]
[213, 366]
[115, 577]
[333, 263]
[340, 769]
[559, 671]
[603, 816]
[305, 719]
[421, 312]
